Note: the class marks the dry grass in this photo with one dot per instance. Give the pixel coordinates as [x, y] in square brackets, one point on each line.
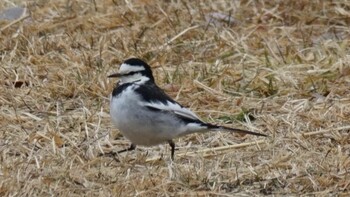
[285, 63]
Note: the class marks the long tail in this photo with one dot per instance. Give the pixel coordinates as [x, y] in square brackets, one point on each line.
[215, 127]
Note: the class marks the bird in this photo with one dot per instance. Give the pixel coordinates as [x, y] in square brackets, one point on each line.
[146, 115]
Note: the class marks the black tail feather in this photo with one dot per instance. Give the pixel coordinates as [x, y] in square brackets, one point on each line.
[210, 126]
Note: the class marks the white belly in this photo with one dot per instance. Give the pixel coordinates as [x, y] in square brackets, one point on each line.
[141, 125]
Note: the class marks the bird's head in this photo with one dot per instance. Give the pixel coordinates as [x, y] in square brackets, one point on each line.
[134, 70]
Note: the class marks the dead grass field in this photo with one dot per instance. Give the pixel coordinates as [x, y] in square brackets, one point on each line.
[277, 67]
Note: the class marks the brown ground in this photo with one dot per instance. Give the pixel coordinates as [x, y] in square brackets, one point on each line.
[280, 68]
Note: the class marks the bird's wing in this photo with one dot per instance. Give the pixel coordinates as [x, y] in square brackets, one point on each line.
[175, 108]
[155, 99]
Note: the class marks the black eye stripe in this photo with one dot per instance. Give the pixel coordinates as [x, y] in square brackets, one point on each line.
[131, 73]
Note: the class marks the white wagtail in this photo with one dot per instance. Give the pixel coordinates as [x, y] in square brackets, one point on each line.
[147, 116]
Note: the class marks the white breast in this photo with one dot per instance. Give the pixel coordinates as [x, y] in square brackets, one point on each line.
[141, 125]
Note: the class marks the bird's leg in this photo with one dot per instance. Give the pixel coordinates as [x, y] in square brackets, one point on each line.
[132, 147]
[172, 145]
[115, 154]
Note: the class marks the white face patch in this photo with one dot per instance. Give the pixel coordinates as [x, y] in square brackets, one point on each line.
[126, 68]
[133, 78]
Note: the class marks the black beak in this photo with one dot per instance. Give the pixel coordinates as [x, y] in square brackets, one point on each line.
[114, 75]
